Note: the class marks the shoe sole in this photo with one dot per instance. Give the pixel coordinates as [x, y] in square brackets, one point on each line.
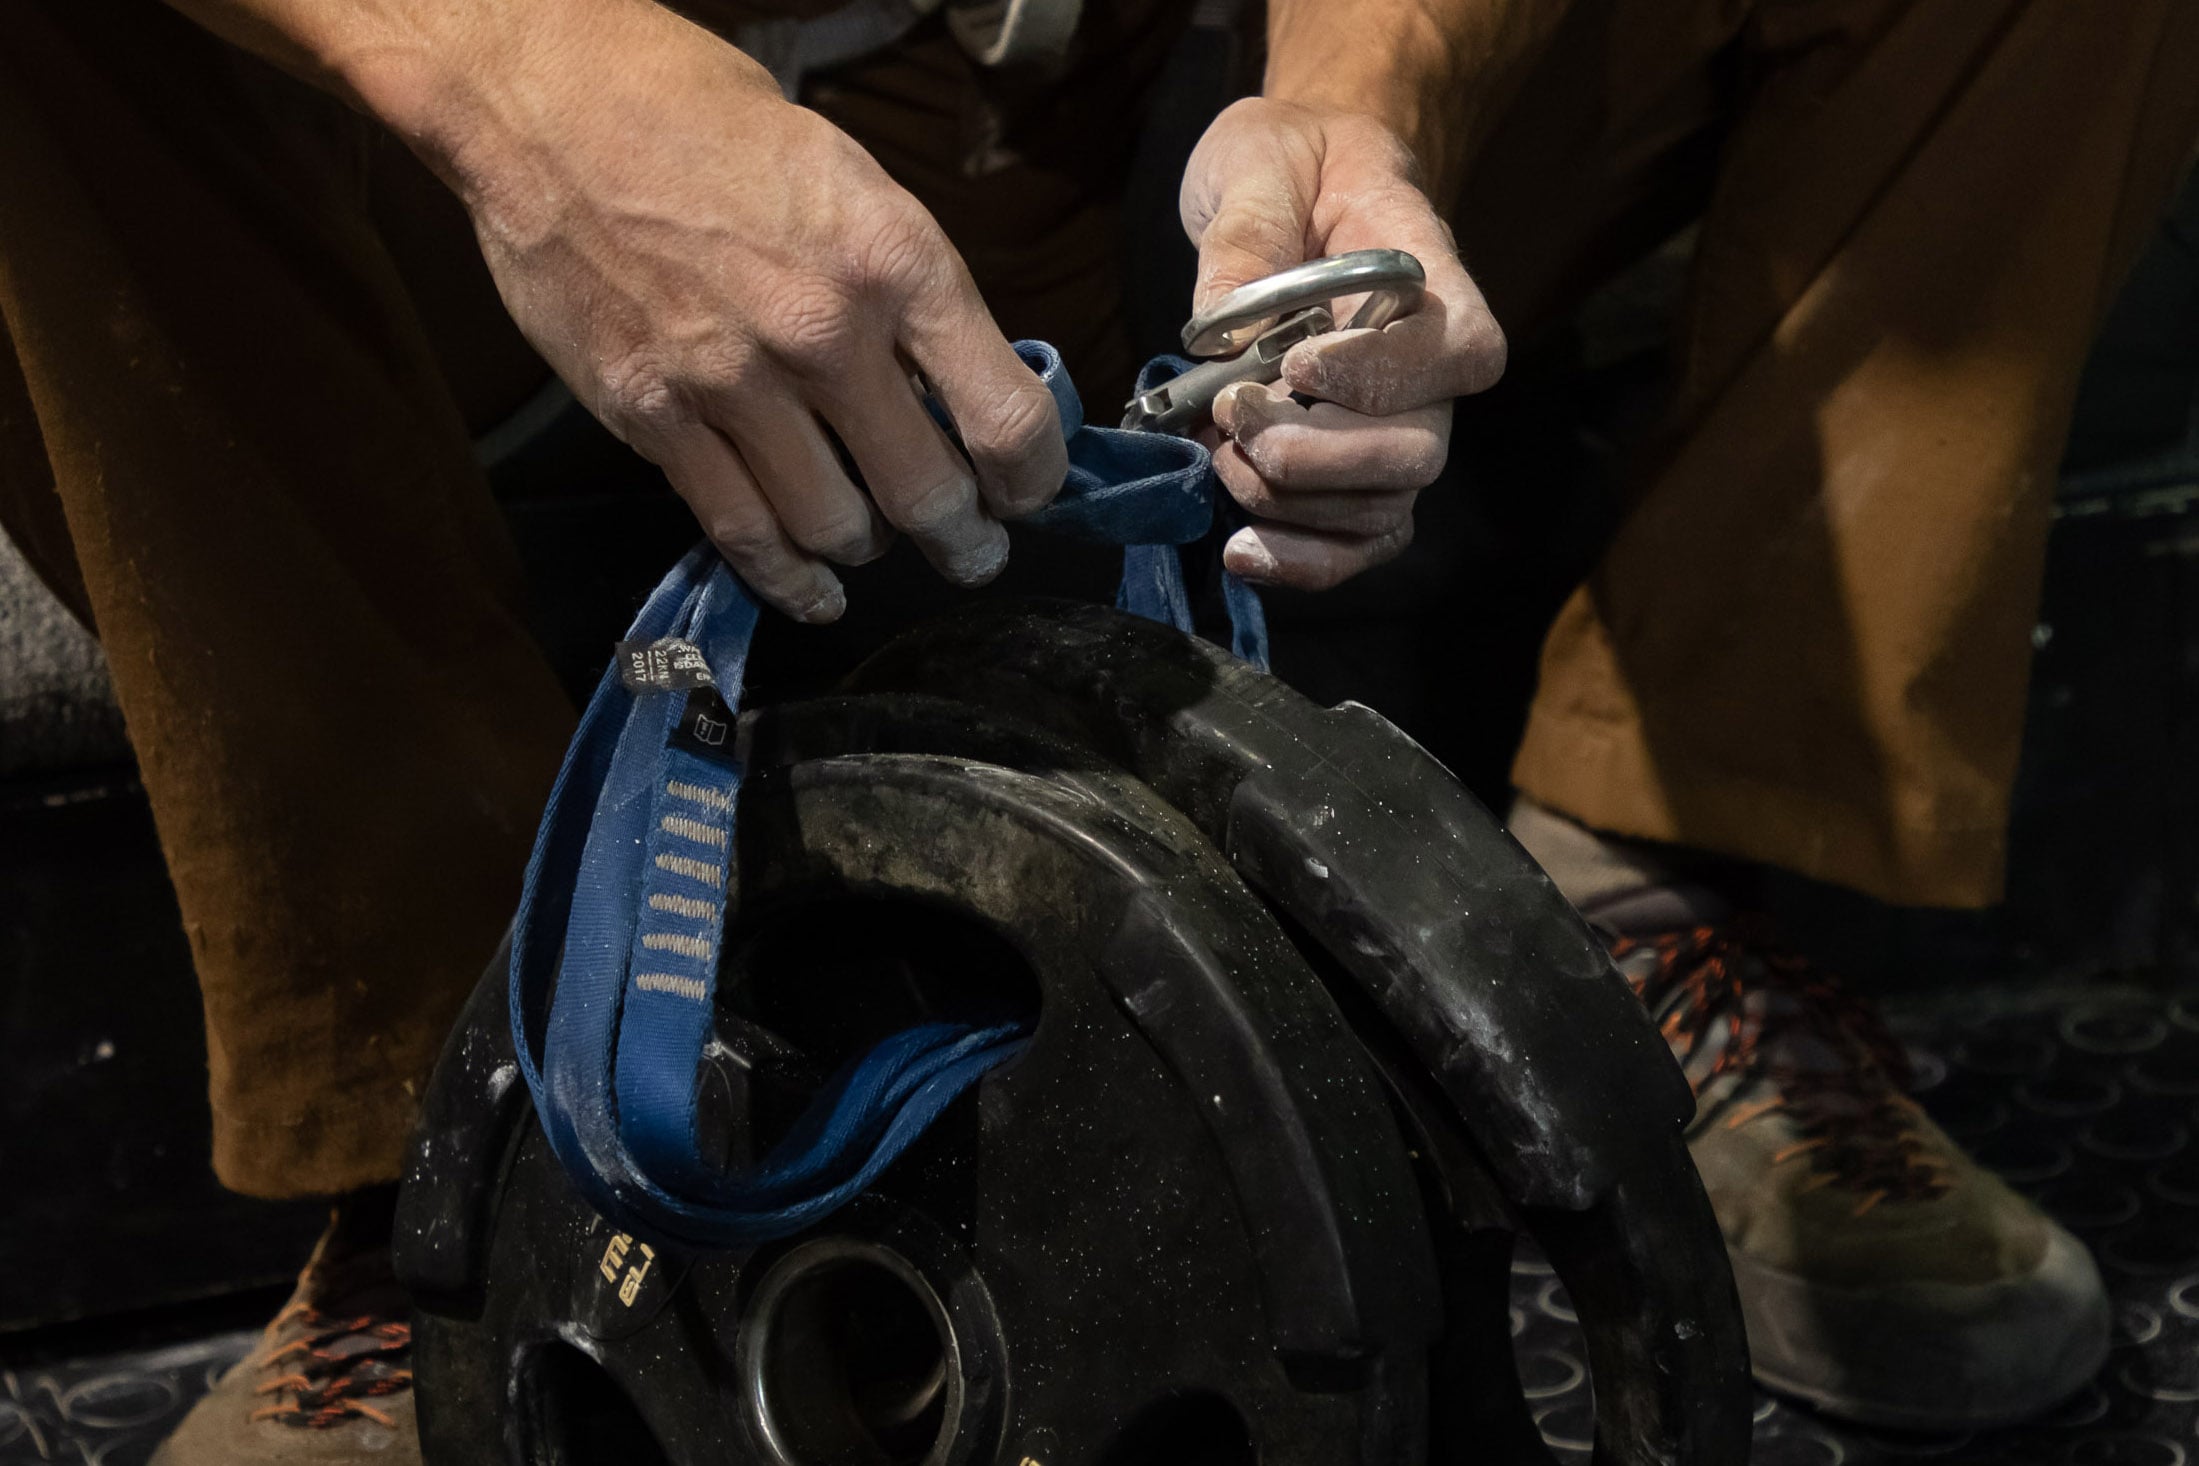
[1930, 1356]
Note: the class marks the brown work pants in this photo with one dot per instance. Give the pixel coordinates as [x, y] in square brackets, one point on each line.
[1809, 643]
[227, 437]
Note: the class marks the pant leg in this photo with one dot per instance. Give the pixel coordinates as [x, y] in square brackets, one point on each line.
[306, 597]
[1809, 643]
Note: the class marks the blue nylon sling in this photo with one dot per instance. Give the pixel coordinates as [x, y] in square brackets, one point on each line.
[615, 946]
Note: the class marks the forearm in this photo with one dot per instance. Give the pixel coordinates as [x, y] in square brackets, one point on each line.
[470, 85]
[1436, 72]
[336, 44]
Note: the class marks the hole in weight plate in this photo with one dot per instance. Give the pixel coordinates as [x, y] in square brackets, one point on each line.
[851, 1360]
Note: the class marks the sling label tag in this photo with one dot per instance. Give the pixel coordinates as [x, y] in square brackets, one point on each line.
[668, 664]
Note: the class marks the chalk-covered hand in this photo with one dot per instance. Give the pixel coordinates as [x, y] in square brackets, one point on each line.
[1331, 486]
[722, 277]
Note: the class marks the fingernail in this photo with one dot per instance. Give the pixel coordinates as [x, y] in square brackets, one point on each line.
[1308, 372]
[828, 607]
[871, 549]
[979, 562]
[1229, 409]
[1245, 555]
[1037, 487]
[1254, 408]
[1028, 500]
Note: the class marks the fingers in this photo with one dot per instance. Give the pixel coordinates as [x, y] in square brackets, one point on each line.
[1342, 515]
[1432, 355]
[733, 512]
[1326, 446]
[1305, 559]
[1361, 516]
[1450, 347]
[818, 506]
[919, 481]
[1333, 490]
[798, 505]
[1001, 410]
[1337, 511]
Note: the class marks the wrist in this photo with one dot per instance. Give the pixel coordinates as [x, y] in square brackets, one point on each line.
[1397, 69]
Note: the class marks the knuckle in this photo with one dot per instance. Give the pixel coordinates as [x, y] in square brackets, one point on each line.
[1257, 499]
[1255, 232]
[1019, 425]
[932, 511]
[900, 254]
[746, 540]
[1268, 454]
[722, 368]
[1420, 466]
[811, 327]
[640, 399]
[1483, 357]
[842, 535]
[1242, 480]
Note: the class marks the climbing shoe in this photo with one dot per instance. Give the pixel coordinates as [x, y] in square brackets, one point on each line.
[331, 1381]
[1885, 1277]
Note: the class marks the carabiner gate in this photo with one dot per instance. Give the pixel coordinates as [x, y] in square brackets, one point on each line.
[1391, 279]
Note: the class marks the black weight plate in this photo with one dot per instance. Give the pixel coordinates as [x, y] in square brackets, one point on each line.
[1480, 1414]
[1462, 945]
[1185, 1211]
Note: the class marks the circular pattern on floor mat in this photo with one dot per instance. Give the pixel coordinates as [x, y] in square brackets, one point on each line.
[2086, 1101]
[109, 1411]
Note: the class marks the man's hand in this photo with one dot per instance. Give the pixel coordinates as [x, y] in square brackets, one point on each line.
[722, 277]
[1273, 184]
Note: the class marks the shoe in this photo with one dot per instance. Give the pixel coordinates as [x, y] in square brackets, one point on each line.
[331, 1383]
[1885, 1277]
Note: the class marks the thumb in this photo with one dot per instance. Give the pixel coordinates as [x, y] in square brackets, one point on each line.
[1255, 231]
[1247, 200]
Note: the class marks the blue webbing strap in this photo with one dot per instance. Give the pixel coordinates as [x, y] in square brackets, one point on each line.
[1149, 493]
[616, 943]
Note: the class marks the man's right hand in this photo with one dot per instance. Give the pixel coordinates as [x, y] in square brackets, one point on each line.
[721, 276]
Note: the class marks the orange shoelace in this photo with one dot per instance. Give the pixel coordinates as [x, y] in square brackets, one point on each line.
[334, 1368]
[1858, 1129]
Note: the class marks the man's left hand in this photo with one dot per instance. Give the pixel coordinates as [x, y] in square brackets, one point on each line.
[1331, 486]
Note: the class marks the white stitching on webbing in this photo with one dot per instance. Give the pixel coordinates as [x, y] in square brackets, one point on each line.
[686, 946]
[695, 830]
[682, 906]
[716, 799]
[710, 875]
[665, 982]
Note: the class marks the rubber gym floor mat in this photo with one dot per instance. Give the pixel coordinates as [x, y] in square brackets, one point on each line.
[2084, 1098]
[111, 1410]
